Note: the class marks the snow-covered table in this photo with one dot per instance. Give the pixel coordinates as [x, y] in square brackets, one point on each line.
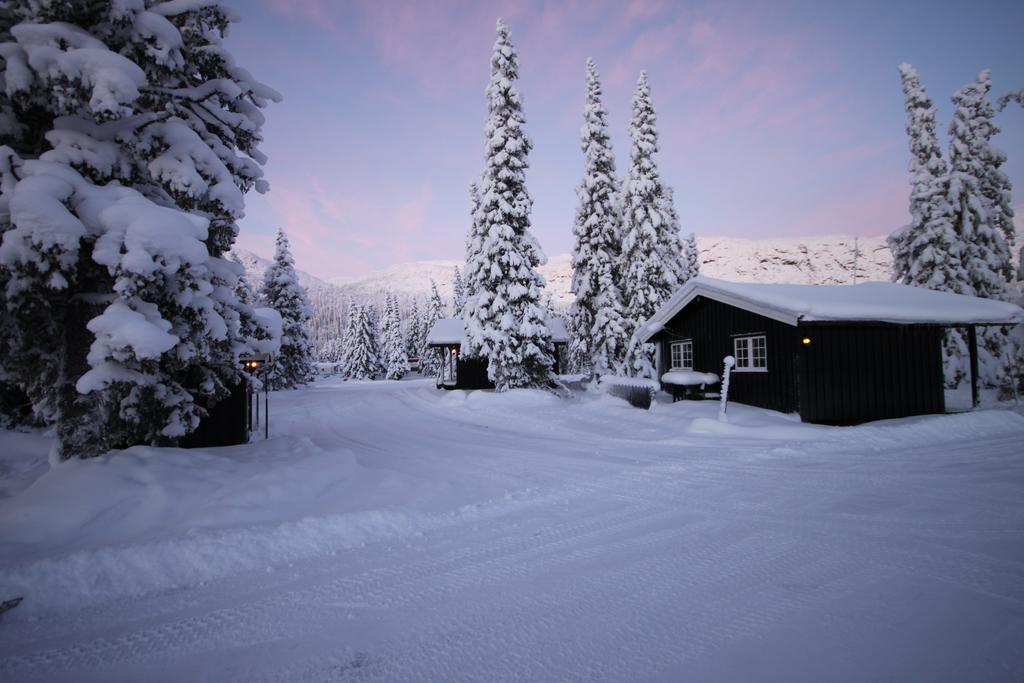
[689, 378]
[688, 383]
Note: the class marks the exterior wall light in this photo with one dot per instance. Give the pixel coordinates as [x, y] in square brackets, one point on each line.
[806, 341]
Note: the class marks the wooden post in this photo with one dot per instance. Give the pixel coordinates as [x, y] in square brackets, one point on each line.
[972, 347]
[266, 412]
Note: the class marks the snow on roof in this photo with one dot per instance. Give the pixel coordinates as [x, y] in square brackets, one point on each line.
[866, 302]
[451, 331]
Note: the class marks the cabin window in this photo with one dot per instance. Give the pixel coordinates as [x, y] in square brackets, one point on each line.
[751, 353]
[681, 355]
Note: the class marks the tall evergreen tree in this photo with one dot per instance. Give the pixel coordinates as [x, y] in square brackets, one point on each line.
[429, 361]
[670, 240]
[282, 292]
[413, 323]
[473, 273]
[363, 355]
[396, 362]
[504, 318]
[598, 337]
[647, 278]
[979, 196]
[929, 252]
[458, 293]
[348, 339]
[131, 136]
[691, 256]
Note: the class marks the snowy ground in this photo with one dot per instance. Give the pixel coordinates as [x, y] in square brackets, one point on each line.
[391, 531]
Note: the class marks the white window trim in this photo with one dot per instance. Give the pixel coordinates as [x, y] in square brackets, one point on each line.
[682, 356]
[748, 341]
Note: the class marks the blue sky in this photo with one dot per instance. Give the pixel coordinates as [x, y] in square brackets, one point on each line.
[776, 119]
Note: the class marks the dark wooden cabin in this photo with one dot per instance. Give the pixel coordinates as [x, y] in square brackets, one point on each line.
[460, 372]
[835, 354]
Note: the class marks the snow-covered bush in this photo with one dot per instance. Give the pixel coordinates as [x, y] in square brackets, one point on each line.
[131, 137]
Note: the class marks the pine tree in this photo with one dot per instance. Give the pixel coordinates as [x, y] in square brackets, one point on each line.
[413, 323]
[396, 362]
[429, 361]
[363, 357]
[131, 138]
[281, 291]
[691, 256]
[928, 252]
[458, 294]
[979, 196]
[670, 240]
[647, 278]
[504, 319]
[598, 338]
[348, 339]
[473, 274]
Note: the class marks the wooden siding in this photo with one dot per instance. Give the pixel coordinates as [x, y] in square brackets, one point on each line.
[227, 424]
[472, 374]
[712, 326]
[857, 372]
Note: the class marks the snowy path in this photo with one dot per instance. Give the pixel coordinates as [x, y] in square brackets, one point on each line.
[584, 540]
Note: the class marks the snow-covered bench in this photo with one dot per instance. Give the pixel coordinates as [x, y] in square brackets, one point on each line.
[689, 384]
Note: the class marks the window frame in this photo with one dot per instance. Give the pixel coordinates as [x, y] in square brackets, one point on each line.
[746, 342]
[682, 346]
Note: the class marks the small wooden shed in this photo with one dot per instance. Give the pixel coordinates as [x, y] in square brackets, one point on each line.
[461, 372]
[836, 354]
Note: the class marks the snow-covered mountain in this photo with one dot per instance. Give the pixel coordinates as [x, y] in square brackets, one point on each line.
[809, 260]
[256, 268]
[812, 260]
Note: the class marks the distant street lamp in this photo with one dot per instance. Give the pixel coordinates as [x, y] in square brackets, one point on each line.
[254, 364]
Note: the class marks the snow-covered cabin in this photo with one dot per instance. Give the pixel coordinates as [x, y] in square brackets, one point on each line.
[460, 372]
[836, 354]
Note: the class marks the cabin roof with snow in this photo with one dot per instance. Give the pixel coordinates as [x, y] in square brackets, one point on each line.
[451, 331]
[867, 302]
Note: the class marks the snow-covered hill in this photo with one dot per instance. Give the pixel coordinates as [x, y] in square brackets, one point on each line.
[811, 260]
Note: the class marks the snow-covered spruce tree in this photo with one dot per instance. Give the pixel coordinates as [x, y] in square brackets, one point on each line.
[980, 216]
[130, 137]
[598, 338]
[348, 338]
[281, 291]
[458, 293]
[363, 356]
[504, 319]
[413, 323]
[928, 252]
[429, 360]
[396, 363]
[691, 256]
[670, 239]
[647, 279]
[472, 274]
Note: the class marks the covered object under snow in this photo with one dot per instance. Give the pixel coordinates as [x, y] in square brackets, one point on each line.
[837, 354]
[459, 372]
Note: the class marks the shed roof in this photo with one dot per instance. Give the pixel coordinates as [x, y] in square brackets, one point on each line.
[867, 302]
[451, 331]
